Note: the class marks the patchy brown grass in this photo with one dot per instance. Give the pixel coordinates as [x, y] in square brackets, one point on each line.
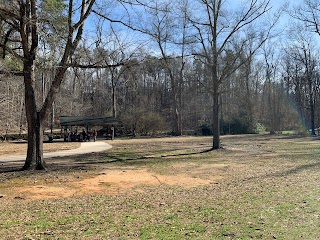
[256, 187]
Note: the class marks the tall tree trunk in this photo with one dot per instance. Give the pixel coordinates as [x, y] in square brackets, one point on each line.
[34, 158]
[31, 150]
[40, 163]
[216, 94]
[216, 122]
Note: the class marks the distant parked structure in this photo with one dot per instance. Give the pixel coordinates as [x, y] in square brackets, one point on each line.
[74, 125]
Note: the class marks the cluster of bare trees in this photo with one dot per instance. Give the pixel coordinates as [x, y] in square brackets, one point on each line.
[187, 66]
[12, 115]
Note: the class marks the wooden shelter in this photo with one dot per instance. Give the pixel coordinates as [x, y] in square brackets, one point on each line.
[68, 122]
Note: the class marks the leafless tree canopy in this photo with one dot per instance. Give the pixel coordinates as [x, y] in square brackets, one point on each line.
[179, 67]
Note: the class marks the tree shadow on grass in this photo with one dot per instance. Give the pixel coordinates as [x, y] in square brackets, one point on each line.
[289, 172]
[107, 158]
[92, 161]
[296, 170]
[9, 167]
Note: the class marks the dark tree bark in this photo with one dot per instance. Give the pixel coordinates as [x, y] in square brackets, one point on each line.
[24, 22]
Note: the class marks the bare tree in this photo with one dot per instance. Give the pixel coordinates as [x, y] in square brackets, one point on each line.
[304, 81]
[308, 13]
[170, 34]
[11, 104]
[215, 29]
[22, 41]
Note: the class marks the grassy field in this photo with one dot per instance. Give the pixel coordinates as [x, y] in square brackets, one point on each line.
[256, 187]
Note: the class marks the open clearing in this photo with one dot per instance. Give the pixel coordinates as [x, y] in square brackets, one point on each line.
[256, 187]
[18, 148]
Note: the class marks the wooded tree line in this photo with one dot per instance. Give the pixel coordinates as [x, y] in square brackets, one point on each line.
[183, 67]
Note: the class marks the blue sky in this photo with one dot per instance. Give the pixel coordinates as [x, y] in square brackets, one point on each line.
[112, 9]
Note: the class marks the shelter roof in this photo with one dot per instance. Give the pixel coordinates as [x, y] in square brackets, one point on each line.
[87, 121]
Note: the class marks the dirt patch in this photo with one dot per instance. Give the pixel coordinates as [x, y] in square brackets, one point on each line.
[111, 181]
[43, 192]
[114, 180]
